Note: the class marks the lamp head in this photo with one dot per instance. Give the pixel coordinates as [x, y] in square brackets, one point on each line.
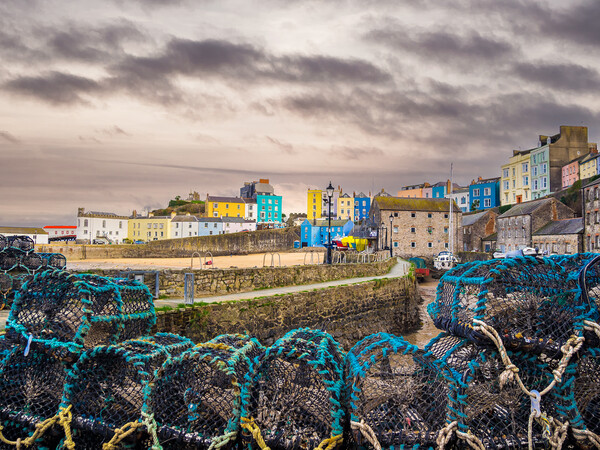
[329, 190]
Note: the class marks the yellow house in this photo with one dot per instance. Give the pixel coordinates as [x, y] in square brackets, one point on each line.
[414, 191]
[515, 182]
[588, 167]
[314, 204]
[225, 207]
[149, 228]
[345, 207]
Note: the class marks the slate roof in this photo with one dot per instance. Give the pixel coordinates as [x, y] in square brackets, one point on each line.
[184, 218]
[224, 199]
[334, 222]
[521, 209]
[470, 219]
[566, 226]
[102, 214]
[22, 230]
[413, 204]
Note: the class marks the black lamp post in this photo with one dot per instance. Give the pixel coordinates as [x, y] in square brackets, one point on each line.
[329, 190]
[391, 234]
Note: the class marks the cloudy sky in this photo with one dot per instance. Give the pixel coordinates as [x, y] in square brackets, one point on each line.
[118, 105]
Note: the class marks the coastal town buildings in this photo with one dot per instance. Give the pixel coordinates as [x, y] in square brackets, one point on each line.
[183, 225]
[345, 207]
[461, 197]
[101, 226]
[315, 233]
[590, 196]
[61, 232]
[362, 205]
[560, 237]
[517, 225]
[418, 226]
[217, 206]
[475, 228]
[39, 235]
[149, 228]
[484, 194]
[590, 165]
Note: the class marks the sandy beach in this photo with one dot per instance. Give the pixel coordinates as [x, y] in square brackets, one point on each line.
[219, 262]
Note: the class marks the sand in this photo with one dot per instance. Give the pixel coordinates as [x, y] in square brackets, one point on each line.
[219, 262]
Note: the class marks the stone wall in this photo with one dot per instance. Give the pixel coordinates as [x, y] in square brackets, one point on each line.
[349, 313]
[223, 244]
[227, 281]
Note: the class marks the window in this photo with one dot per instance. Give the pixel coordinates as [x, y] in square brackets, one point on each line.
[215, 205]
[463, 200]
[155, 226]
[505, 173]
[227, 206]
[430, 244]
[429, 215]
[446, 245]
[534, 171]
[413, 230]
[543, 182]
[85, 223]
[525, 167]
[514, 184]
[395, 229]
[535, 185]
[544, 167]
[395, 244]
[446, 216]
[413, 245]
[120, 224]
[412, 214]
[525, 181]
[513, 171]
[487, 203]
[104, 224]
[161, 225]
[506, 185]
[475, 192]
[446, 230]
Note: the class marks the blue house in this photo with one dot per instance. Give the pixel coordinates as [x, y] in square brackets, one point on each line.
[315, 233]
[484, 194]
[439, 190]
[362, 205]
[268, 208]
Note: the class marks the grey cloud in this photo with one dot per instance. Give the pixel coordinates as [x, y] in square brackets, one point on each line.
[114, 131]
[442, 45]
[286, 147]
[355, 153]
[9, 137]
[56, 88]
[559, 76]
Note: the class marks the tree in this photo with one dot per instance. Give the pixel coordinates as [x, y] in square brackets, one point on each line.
[475, 205]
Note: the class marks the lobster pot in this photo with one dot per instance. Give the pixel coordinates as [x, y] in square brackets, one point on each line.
[5, 348]
[71, 313]
[454, 351]
[534, 304]
[24, 243]
[196, 397]
[10, 259]
[293, 395]
[3, 242]
[494, 411]
[397, 391]
[32, 262]
[31, 387]
[107, 386]
[55, 260]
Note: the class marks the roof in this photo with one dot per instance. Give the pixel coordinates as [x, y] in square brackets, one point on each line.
[261, 188]
[412, 204]
[233, 219]
[460, 190]
[589, 157]
[22, 230]
[470, 219]
[70, 227]
[361, 195]
[521, 209]
[488, 180]
[209, 219]
[491, 237]
[345, 196]
[184, 218]
[108, 215]
[565, 226]
[149, 217]
[224, 199]
[593, 183]
[249, 200]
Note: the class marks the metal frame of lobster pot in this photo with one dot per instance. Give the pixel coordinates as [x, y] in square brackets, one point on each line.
[293, 395]
[70, 313]
[398, 395]
[107, 388]
[196, 397]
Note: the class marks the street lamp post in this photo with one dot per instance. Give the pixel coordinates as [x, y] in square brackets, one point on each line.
[329, 196]
[391, 234]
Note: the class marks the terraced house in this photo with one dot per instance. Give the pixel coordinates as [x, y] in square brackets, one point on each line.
[150, 227]
[225, 206]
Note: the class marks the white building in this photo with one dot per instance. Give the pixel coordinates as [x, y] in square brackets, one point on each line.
[61, 232]
[237, 225]
[461, 198]
[101, 225]
[39, 235]
[251, 212]
[184, 226]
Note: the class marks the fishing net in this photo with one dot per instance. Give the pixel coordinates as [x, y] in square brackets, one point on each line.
[534, 304]
[31, 383]
[398, 393]
[55, 260]
[106, 388]
[292, 397]
[70, 313]
[24, 243]
[196, 397]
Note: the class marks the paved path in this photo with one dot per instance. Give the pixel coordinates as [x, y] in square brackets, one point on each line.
[398, 270]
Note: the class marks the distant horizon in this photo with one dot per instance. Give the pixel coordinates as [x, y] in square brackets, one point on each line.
[123, 105]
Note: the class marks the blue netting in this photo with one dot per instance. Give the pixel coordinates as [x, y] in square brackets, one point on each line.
[70, 313]
[399, 391]
[196, 397]
[293, 393]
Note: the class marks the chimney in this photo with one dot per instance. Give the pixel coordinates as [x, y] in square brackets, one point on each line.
[593, 148]
[80, 211]
[479, 178]
[173, 214]
[134, 214]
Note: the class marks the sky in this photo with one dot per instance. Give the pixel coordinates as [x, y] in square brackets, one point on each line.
[121, 105]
